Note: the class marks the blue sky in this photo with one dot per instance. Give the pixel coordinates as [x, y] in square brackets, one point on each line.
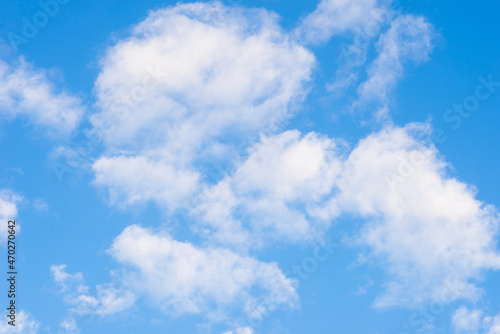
[248, 167]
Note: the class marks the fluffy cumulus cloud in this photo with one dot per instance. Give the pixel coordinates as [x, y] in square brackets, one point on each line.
[429, 232]
[26, 91]
[195, 81]
[25, 324]
[184, 279]
[282, 191]
[333, 17]
[409, 39]
[189, 84]
[428, 229]
[204, 68]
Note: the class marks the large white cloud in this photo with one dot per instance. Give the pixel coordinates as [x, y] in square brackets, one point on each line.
[429, 232]
[189, 84]
[427, 228]
[184, 279]
[27, 91]
[192, 81]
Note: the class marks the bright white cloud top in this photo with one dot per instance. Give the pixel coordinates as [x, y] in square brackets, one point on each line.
[187, 87]
[281, 192]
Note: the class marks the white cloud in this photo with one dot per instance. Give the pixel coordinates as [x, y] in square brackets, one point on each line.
[27, 91]
[40, 205]
[8, 207]
[466, 322]
[282, 191]
[113, 300]
[408, 39]
[67, 281]
[189, 84]
[428, 230]
[182, 278]
[215, 67]
[69, 325]
[194, 80]
[108, 300]
[8, 211]
[360, 21]
[25, 324]
[492, 324]
[241, 330]
[333, 17]
[138, 179]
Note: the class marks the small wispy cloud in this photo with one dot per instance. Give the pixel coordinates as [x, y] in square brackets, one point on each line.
[107, 300]
[40, 205]
[27, 92]
[409, 39]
